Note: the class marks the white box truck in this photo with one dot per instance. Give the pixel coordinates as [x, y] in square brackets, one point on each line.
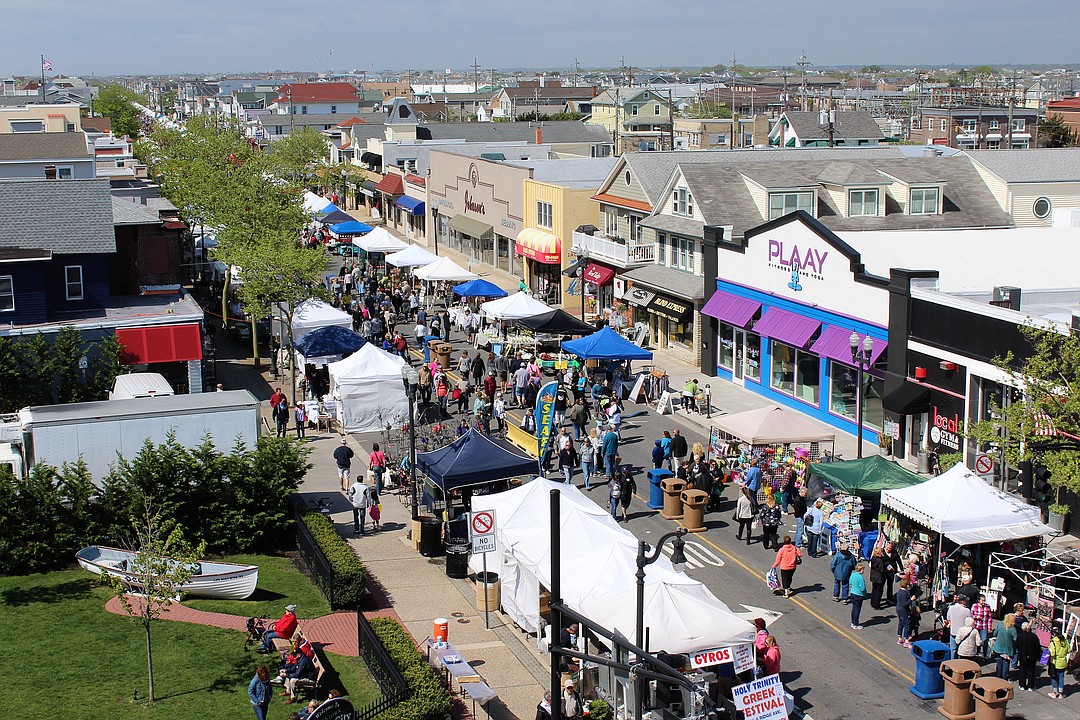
[97, 431]
[139, 385]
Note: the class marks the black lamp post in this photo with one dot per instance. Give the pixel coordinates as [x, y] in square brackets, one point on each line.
[411, 379]
[860, 355]
[583, 258]
[678, 559]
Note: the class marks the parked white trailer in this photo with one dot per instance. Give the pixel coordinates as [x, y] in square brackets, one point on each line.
[98, 431]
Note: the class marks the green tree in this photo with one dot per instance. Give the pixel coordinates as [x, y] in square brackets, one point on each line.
[1056, 134]
[299, 153]
[706, 111]
[35, 371]
[871, 70]
[116, 103]
[1047, 400]
[532, 116]
[163, 563]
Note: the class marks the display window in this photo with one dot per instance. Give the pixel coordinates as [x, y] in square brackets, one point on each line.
[796, 373]
[680, 333]
[844, 394]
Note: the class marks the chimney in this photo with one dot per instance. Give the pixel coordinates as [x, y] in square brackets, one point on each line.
[539, 136]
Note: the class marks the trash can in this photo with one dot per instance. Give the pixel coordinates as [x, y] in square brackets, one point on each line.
[431, 544]
[457, 560]
[656, 493]
[694, 502]
[672, 488]
[442, 352]
[429, 341]
[958, 703]
[991, 695]
[928, 654]
[487, 585]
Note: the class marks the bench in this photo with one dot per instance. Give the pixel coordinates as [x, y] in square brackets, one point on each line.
[312, 686]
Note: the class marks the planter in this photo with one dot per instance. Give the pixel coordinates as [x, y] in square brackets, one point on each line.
[1058, 522]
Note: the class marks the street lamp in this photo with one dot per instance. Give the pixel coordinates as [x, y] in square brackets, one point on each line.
[411, 379]
[678, 560]
[860, 355]
[583, 259]
[344, 188]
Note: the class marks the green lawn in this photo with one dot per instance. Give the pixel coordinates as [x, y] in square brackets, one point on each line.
[75, 659]
[280, 584]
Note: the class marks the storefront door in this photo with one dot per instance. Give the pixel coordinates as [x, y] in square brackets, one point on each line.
[916, 424]
[738, 369]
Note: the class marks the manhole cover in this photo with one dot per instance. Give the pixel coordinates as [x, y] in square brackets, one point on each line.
[463, 621]
[457, 614]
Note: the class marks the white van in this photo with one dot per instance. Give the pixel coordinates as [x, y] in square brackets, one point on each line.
[140, 385]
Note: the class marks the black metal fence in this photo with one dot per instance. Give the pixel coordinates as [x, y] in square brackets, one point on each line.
[391, 682]
[317, 562]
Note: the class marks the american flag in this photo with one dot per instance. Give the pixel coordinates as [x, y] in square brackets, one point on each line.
[46, 66]
[1044, 425]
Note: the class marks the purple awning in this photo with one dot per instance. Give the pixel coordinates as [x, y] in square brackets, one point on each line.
[835, 344]
[787, 327]
[730, 308]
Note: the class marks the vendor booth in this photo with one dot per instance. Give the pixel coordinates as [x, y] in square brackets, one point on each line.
[368, 390]
[327, 344]
[556, 322]
[479, 288]
[350, 227]
[771, 432]
[314, 314]
[412, 256]
[444, 269]
[514, 307]
[867, 476]
[379, 240]
[314, 204]
[606, 344]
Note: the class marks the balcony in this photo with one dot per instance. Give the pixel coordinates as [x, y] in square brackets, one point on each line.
[615, 251]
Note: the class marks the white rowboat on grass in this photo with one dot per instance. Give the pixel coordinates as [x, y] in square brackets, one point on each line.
[227, 581]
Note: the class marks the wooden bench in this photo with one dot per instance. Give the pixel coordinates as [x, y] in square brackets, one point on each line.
[312, 686]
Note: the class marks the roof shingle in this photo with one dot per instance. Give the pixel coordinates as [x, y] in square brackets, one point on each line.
[64, 216]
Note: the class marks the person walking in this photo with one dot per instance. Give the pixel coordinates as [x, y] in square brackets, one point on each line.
[543, 708]
[903, 613]
[814, 522]
[627, 488]
[567, 458]
[614, 495]
[281, 417]
[679, 449]
[587, 454]
[770, 516]
[1004, 646]
[377, 466]
[787, 559]
[260, 692]
[744, 515]
[753, 479]
[360, 498]
[984, 623]
[578, 415]
[877, 577]
[610, 448]
[841, 565]
[1058, 662]
[301, 419]
[967, 640]
[857, 593]
[958, 615]
[798, 509]
[657, 455]
[665, 442]
[343, 455]
[1029, 651]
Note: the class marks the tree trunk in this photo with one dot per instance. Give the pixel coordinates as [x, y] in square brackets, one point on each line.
[149, 660]
[254, 341]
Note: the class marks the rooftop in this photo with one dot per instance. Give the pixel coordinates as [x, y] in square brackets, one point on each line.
[15, 147]
[1031, 166]
[121, 311]
[62, 216]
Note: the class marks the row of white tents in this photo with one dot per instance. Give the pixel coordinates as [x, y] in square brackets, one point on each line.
[598, 566]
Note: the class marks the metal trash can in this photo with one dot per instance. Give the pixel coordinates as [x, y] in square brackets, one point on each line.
[958, 674]
[487, 585]
[929, 654]
[457, 560]
[656, 493]
[442, 351]
[694, 502]
[992, 695]
[673, 488]
[431, 543]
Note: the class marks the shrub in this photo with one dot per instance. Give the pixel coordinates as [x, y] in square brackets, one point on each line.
[600, 710]
[428, 698]
[350, 577]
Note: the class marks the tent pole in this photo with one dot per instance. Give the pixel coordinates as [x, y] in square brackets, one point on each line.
[555, 603]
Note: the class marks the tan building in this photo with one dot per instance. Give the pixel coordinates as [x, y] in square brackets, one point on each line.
[40, 118]
[638, 119]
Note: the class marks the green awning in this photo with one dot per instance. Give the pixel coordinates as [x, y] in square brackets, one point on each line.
[790, 142]
[472, 228]
[867, 476]
[493, 156]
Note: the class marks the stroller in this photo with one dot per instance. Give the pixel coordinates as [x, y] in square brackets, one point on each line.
[256, 628]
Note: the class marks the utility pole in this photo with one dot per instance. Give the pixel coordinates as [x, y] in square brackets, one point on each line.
[577, 70]
[476, 75]
[1012, 99]
[802, 65]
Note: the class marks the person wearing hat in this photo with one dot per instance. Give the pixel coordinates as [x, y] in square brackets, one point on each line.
[571, 701]
[343, 456]
[284, 628]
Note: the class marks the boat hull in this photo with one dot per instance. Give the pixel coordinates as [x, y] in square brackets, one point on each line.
[225, 581]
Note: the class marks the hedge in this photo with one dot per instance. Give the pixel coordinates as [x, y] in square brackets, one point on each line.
[350, 576]
[428, 697]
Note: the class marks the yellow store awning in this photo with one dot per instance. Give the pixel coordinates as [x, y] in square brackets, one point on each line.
[540, 245]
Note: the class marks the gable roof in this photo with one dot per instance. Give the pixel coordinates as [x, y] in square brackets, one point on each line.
[1031, 166]
[551, 92]
[128, 212]
[16, 147]
[845, 125]
[63, 216]
[319, 92]
[627, 94]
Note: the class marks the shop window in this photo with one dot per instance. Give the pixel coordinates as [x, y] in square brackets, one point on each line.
[924, 201]
[725, 346]
[753, 357]
[862, 203]
[543, 214]
[680, 333]
[844, 395]
[795, 373]
[781, 204]
[7, 293]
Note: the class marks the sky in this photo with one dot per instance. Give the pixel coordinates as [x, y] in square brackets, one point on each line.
[139, 37]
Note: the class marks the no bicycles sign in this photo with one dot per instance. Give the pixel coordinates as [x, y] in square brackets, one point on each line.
[482, 531]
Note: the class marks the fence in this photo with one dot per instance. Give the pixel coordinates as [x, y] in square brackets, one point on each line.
[313, 556]
[391, 682]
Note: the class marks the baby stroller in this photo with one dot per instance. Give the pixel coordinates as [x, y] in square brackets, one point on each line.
[256, 628]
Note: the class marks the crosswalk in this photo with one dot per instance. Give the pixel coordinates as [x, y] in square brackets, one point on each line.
[697, 555]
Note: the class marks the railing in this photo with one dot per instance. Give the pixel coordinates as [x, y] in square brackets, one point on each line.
[391, 682]
[316, 561]
[615, 251]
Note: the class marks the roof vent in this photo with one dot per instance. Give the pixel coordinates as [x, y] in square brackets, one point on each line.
[1007, 297]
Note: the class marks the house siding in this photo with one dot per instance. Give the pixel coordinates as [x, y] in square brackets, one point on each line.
[95, 276]
[1022, 197]
[28, 281]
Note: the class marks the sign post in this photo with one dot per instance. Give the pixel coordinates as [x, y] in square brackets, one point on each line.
[482, 537]
[984, 467]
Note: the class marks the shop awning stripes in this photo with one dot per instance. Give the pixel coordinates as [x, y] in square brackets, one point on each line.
[787, 327]
[540, 245]
[835, 344]
[730, 308]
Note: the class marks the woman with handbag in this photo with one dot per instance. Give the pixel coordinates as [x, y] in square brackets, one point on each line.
[744, 515]
[788, 557]
[377, 466]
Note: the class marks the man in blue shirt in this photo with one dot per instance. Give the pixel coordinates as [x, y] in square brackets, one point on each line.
[753, 483]
[610, 448]
[814, 523]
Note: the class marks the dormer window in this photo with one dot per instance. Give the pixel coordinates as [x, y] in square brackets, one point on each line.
[924, 201]
[682, 202]
[784, 203]
[862, 203]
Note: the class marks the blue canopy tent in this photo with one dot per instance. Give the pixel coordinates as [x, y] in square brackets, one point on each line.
[606, 344]
[351, 227]
[479, 288]
[327, 341]
[326, 209]
[336, 216]
[473, 459]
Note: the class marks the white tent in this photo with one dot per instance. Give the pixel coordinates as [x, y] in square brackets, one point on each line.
[598, 568]
[314, 314]
[444, 269]
[772, 424]
[313, 203]
[411, 257]
[963, 508]
[367, 385]
[379, 240]
[514, 307]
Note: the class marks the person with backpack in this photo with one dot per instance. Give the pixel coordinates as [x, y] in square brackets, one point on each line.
[360, 498]
[841, 565]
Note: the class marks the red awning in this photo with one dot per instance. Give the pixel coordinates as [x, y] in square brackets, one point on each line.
[391, 184]
[598, 274]
[175, 225]
[168, 343]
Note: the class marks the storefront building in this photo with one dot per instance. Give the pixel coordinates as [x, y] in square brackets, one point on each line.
[410, 210]
[477, 209]
[779, 319]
